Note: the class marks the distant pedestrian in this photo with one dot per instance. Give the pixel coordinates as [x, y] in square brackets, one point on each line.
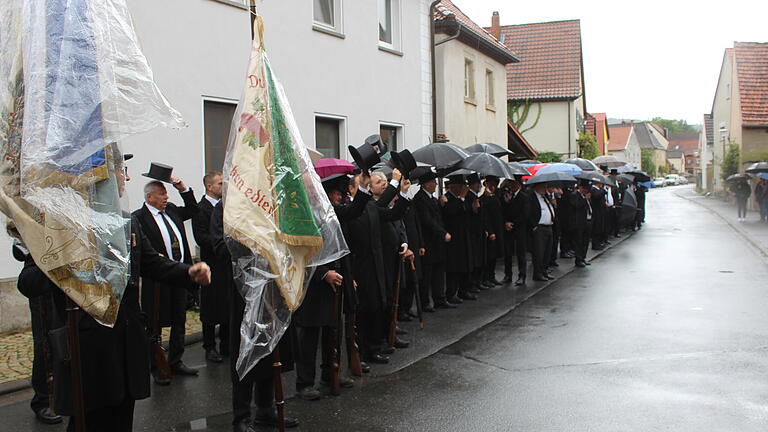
[742, 191]
[761, 196]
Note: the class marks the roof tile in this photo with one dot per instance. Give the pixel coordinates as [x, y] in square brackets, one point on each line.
[446, 8]
[752, 70]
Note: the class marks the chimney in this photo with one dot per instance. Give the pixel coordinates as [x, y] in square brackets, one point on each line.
[495, 25]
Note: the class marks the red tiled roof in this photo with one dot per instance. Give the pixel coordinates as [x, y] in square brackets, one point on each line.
[601, 123]
[550, 60]
[447, 10]
[752, 70]
[684, 142]
[620, 134]
[591, 124]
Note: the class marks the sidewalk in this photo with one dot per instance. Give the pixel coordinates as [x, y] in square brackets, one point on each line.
[752, 230]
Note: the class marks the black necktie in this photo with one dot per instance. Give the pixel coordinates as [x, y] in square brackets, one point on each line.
[175, 249]
[589, 209]
[551, 213]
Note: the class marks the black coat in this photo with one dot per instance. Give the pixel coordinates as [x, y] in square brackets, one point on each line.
[516, 211]
[493, 220]
[115, 361]
[534, 210]
[214, 299]
[476, 231]
[458, 250]
[415, 238]
[173, 302]
[432, 228]
[579, 210]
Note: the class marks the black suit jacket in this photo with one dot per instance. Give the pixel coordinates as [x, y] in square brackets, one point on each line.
[432, 227]
[516, 211]
[459, 249]
[214, 299]
[534, 210]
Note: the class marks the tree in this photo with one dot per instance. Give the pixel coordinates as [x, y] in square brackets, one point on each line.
[731, 161]
[646, 161]
[676, 126]
[587, 146]
[548, 157]
[663, 170]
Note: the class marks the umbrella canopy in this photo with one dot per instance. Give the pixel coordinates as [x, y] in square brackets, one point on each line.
[551, 177]
[584, 164]
[640, 176]
[626, 178]
[624, 169]
[490, 148]
[611, 161]
[420, 170]
[757, 167]
[530, 162]
[560, 167]
[518, 169]
[330, 166]
[628, 208]
[594, 177]
[440, 155]
[762, 175]
[739, 176]
[533, 169]
[485, 164]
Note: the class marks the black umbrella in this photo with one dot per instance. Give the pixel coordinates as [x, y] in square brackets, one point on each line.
[485, 164]
[758, 167]
[734, 177]
[611, 161]
[640, 176]
[420, 170]
[628, 208]
[440, 155]
[518, 169]
[594, 177]
[584, 164]
[529, 161]
[626, 178]
[490, 148]
[551, 177]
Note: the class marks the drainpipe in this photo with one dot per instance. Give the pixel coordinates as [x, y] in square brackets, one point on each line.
[432, 58]
[569, 128]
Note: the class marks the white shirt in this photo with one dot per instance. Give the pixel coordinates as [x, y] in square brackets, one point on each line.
[609, 196]
[546, 210]
[210, 199]
[164, 232]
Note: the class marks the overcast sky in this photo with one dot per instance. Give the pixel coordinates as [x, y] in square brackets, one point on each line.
[660, 58]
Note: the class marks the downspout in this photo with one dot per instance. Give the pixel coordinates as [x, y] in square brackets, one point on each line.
[569, 128]
[432, 58]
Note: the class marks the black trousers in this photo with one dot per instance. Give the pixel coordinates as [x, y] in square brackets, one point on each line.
[44, 317]
[209, 337]
[455, 283]
[369, 324]
[477, 276]
[555, 242]
[566, 239]
[509, 251]
[581, 237]
[117, 418]
[433, 282]
[520, 237]
[489, 273]
[612, 222]
[741, 203]
[407, 288]
[598, 229]
[306, 354]
[541, 248]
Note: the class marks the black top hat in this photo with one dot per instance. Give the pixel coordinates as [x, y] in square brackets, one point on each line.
[429, 176]
[368, 154]
[473, 178]
[404, 161]
[160, 172]
[604, 167]
[127, 156]
[614, 171]
[339, 182]
[455, 179]
[492, 178]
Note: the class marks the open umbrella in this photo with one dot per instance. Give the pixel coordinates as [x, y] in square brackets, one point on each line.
[420, 170]
[485, 164]
[757, 167]
[440, 155]
[628, 208]
[330, 166]
[762, 175]
[529, 162]
[552, 177]
[626, 178]
[611, 161]
[560, 167]
[584, 164]
[640, 176]
[490, 148]
[533, 169]
[739, 176]
[594, 177]
[518, 169]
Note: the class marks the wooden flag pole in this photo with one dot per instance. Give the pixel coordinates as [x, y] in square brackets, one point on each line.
[277, 368]
[253, 17]
[75, 367]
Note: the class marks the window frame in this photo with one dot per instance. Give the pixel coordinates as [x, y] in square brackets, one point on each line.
[399, 128]
[395, 47]
[490, 88]
[215, 99]
[342, 121]
[337, 29]
[470, 89]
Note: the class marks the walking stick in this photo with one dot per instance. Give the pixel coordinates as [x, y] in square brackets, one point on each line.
[75, 367]
[392, 336]
[162, 368]
[277, 368]
[336, 343]
[44, 310]
[418, 295]
[353, 351]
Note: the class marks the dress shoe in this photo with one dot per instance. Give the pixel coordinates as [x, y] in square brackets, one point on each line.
[455, 300]
[540, 278]
[495, 282]
[269, 418]
[412, 315]
[344, 382]
[549, 277]
[160, 381]
[387, 350]
[309, 394]
[467, 296]
[213, 356]
[445, 305]
[553, 264]
[580, 264]
[587, 263]
[44, 415]
[427, 308]
[365, 367]
[181, 369]
[401, 331]
[404, 317]
[520, 281]
[400, 344]
[244, 426]
[487, 285]
[474, 289]
[598, 248]
[378, 359]
[507, 279]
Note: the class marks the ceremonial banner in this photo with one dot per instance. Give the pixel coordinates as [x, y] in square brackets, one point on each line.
[72, 85]
[278, 221]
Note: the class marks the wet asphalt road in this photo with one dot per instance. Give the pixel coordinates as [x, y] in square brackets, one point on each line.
[668, 331]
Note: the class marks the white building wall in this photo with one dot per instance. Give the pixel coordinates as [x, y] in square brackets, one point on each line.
[464, 122]
[551, 133]
[722, 124]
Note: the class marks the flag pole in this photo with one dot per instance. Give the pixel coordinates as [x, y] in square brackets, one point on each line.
[75, 367]
[253, 16]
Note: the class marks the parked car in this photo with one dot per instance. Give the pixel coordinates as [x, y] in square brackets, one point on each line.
[658, 182]
[683, 180]
[672, 180]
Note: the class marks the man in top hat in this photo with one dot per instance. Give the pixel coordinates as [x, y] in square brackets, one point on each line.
[600, 210]
[163, 224]
[214, 299]
[477, 236]
[436, 240]
[493, 219]
[581, 221]
[516, 227]
[541, 219]
[459, 254]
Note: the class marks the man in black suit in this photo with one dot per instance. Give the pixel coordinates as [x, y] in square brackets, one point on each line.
[436, 239]
[477, 236]
[163, 224]
[493, 220]
[600, 210]
[459, 252]
[541, 218]
[516, 231]
[581, 221]
[214, 299]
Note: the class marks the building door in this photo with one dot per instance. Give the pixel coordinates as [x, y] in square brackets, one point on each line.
[217, 123]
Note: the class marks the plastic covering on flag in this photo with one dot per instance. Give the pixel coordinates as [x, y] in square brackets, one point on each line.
[279, 224]
[74, 84]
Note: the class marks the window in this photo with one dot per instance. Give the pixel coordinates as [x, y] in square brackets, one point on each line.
[328, 136]
[327, 16]
[390, 134]
[217, 122]
[469, 81]
[389, 24]
[490, 99]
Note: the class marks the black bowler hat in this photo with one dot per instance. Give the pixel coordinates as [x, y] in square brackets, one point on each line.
[604, 167]
[456, 179]
[473, 178]
[427, 177]
[160, 172]
[368, 154]
[404, 161]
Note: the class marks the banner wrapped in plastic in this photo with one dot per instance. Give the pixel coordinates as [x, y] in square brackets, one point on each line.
[75, 83]
[278, 223]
